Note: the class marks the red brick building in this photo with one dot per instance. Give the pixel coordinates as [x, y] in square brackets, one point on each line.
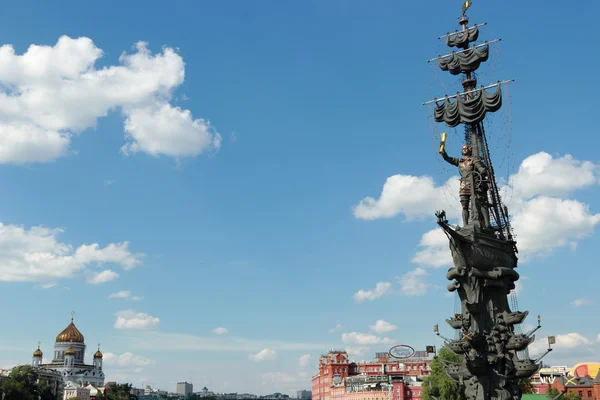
[582, 380]
[585, 387]
[383, 378]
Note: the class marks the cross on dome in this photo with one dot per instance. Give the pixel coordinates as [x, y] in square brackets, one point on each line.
[98, 353]
[38, 352]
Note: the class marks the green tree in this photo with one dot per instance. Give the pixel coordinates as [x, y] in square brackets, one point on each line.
[198, 397]
[45, 391]
[438, 384]
[552, 393]
[526, 386]
[120, 391]
[570, 396]
[22, 384]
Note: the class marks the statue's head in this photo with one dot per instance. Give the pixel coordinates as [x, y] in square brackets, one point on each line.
[466, 150]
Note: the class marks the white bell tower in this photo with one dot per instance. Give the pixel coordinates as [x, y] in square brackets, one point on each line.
[98, 359]
[37, 357]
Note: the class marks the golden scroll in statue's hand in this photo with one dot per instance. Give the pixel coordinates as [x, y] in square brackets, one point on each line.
[443, 143]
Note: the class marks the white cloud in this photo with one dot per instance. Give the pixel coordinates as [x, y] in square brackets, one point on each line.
[98, 278]
[335, 328]
[363, 339]
[115, 253]
[123, 294]
[126, 295]
[220, 331]
[48, 285]
[381, 289]
[36, 255]
[412, 196]
[304, 360]
[545, 223]
[51, 93]
[413, 282]
[541, 223]
[382, 326]
[598, 338]
[24, 142]
[163, 129]
[126, 360]
[108, 182]
[569, 341]
[357, 351]
[130, 319]
[435, 251]
[580, 302]
[263, 355]
[541, 174]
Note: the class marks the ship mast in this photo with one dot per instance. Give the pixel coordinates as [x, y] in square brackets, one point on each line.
[475, 133]
[477, 103]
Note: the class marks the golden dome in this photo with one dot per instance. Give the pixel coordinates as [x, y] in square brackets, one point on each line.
[70, 334]
[38, 353]
[70, 351]
[98, 354]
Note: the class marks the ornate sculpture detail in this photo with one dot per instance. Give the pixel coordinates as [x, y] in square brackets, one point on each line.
[483, 250]
[473, 185]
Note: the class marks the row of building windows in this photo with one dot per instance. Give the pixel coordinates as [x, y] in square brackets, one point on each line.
[393, 368]
[59, 355]
[409, 392]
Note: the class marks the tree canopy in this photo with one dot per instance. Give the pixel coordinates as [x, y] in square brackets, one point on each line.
[120, 391]
[198, 397]
[526, 386]
[553, 392]
[438, 385]
[22, 384]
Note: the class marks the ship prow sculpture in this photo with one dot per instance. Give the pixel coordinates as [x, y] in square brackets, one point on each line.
[484, 253]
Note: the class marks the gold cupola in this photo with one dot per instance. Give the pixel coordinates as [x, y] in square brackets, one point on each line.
[70, 351]
[70, 334]
[38, 352]
[98, 354]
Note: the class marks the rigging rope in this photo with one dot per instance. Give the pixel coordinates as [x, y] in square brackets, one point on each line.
[508, 127]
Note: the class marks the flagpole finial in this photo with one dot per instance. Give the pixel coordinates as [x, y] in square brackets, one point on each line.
[466, 6]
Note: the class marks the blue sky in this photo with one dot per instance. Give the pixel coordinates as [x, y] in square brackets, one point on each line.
[243, 214]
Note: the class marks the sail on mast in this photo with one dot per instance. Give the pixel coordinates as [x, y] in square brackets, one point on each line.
[470, 108]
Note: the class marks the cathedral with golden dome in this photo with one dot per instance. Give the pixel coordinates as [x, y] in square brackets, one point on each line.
[68, 359]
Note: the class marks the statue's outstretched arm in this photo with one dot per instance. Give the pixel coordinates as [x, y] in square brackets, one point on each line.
[449, 160]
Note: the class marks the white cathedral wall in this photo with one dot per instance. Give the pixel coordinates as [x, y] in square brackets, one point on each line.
[82, 374]
[61, 347]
